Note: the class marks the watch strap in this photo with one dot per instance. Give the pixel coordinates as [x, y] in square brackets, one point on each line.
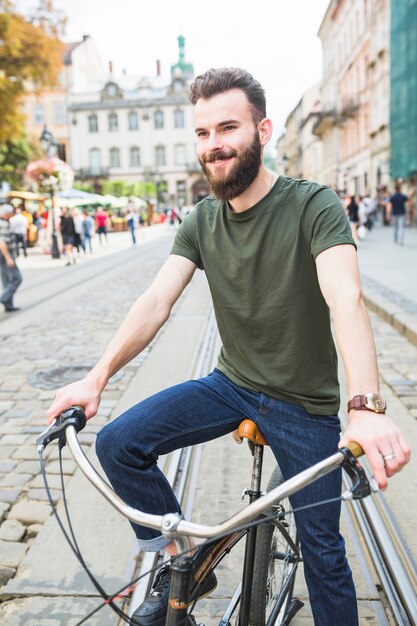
[358, 403]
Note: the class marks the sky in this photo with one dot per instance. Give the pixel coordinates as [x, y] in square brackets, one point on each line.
[275, 40]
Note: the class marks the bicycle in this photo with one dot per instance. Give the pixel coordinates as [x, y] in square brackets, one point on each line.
[272, 552]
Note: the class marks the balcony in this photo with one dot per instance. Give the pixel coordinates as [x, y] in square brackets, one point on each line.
[92, 172]
[350, 107]
[193, 168]
[326, 120]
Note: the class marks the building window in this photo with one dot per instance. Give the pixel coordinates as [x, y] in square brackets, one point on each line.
[134, 156]
[93, 123]
[180, 154]
[158, 119]
[179, 119]
[133, 121]
[59, 113]
[114, 157]
[95, 161]
[39, 113]
[160, 155]
[113, 123]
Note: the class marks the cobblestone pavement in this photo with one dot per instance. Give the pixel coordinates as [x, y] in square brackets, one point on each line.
[53, 349]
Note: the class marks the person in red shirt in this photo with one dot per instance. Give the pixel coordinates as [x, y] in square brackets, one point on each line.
[102, 218]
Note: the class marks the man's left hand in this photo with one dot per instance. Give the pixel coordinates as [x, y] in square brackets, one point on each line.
[382, 441]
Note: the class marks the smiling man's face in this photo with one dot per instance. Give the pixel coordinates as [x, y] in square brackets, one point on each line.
[228, 144]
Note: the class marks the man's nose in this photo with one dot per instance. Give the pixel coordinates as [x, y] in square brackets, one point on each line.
[214, 142]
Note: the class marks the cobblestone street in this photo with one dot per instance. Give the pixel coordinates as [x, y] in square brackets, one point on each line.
[39, 576]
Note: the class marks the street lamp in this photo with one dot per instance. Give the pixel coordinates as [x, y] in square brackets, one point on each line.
[50, 148]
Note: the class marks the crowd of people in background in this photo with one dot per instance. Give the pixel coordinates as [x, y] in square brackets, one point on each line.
[386, 208]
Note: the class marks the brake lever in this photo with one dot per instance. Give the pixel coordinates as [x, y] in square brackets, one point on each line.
[74, 416]
[361, 486]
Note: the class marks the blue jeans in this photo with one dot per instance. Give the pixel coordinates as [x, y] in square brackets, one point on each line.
[200, 410]
[11, 279]
[399, 223]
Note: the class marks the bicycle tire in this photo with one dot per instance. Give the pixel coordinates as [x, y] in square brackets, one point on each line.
[274, 577]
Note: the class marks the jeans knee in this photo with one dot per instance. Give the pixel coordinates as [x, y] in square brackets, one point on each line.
[106, 445]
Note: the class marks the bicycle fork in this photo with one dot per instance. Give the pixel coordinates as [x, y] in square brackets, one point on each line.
[254, 493]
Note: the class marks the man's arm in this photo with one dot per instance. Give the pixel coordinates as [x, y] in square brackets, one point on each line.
[339, 280]
[150, 311]
[4, 250]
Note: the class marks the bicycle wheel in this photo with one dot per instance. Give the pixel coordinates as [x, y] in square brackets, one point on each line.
[275, 565]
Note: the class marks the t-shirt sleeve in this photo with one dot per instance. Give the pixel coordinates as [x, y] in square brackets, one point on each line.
[325, 222]
[185, 242]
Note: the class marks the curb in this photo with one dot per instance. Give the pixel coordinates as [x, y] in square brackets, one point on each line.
[399, 319]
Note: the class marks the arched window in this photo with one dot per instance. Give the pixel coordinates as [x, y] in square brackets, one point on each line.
[94, 159]
[114, 157]
[93, 123]
[179, 119]
[134, 156]
[159, 155]
[133, 120]
[180, 154]
[158, 119]
[113, 122]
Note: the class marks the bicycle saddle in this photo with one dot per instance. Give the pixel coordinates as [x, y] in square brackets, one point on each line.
[249, 430]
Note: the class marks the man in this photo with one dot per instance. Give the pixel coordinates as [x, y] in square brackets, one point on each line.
[10, 274]
[102, 219]
[397, 209]
[278, 254]
[19, 227]
[68, 234]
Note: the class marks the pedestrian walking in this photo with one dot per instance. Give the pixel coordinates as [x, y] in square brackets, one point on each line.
[68, 234]
[11, 277]
[19, 227]
[102, 218]
[131, 220]
[78, 225]
[397, 211]
[353, 217]
[87, 231]
[279, 258]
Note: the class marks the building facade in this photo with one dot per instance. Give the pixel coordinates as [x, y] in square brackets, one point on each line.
[139, 129]
[81, 65]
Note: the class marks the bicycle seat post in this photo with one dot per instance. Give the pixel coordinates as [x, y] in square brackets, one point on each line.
[249, 430]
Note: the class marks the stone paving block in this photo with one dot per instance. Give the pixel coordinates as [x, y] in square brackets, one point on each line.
[7, 466]
[11, 553]
[28, 453]
[33, 530]
[54, 481]
[6, 573]
[16, 413]
[14, 480]
[30, 512]
[4, 507]
[410, 401]
[40, 494]
[9, 495]
[53, 467]
[28, 467]
[5, 405]
[52, 611]
[6, 451]
[14, 439]
[12, 530]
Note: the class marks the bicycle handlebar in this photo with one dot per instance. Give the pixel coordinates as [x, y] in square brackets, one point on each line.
[71, 421]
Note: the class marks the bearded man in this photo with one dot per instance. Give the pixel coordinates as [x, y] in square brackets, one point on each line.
[279, 258]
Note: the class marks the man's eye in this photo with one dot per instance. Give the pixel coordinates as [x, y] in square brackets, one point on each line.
[201, 133]
[230, 127]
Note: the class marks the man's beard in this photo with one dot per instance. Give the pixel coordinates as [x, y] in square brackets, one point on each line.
[241, 176]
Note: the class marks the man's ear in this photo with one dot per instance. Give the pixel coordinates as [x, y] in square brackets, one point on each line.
[265, 130]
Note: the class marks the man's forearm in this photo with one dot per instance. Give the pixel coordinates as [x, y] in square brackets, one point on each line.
[356, 345]
[4, 249]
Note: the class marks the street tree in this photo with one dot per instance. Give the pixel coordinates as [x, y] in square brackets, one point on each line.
[30, 57]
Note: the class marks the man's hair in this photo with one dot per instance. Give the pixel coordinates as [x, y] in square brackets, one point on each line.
[217, 81]
[397, 187]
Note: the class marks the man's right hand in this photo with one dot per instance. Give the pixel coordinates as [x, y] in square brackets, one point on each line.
[10, 262]
[84, 392]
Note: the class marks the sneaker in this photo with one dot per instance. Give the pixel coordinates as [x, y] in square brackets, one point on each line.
[152, 612]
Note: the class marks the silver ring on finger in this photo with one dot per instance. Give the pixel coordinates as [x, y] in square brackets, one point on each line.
[388, 457]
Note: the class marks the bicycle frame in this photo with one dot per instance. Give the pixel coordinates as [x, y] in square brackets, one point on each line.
[171, 525]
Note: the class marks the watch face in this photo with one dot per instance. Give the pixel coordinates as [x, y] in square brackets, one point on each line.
[377, 402]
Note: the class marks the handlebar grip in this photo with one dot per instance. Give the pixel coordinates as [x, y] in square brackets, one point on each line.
[73, 416]
[355, 449]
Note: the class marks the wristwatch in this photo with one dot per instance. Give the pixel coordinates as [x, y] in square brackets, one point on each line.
[368, 402]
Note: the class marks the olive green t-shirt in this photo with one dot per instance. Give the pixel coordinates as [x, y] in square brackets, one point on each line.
[260, 264]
